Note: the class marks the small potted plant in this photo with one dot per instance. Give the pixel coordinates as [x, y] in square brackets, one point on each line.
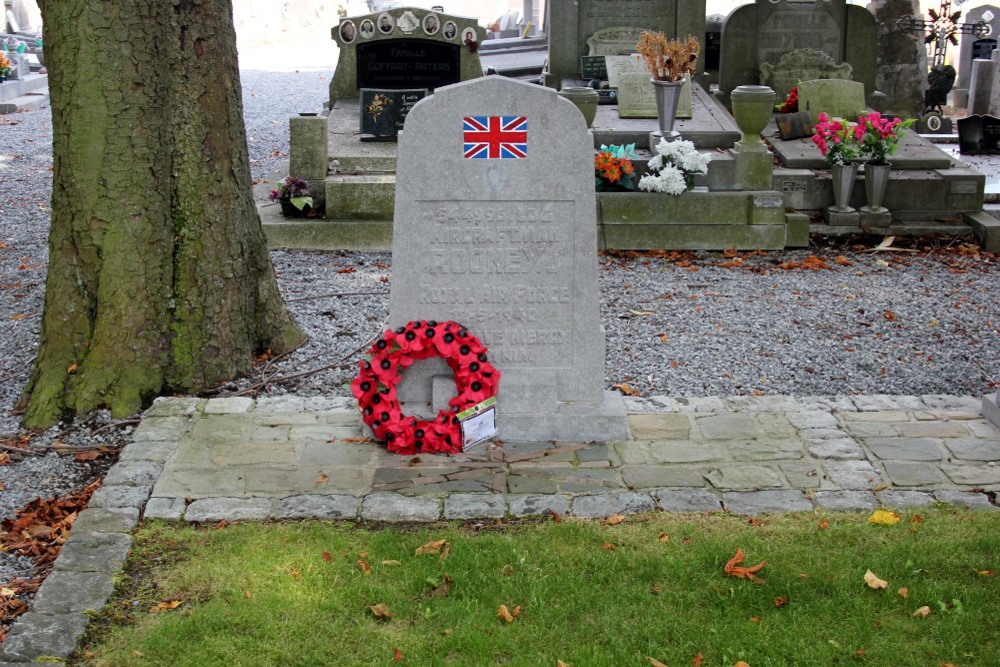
[613, 170]
[293, 195]
[837, 141]
[674, 167]
[669, 61]
[877, 138]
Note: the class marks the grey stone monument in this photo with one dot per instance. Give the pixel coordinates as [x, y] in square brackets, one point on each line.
[507, 246]
[762, 32]
[973, 47]
[570, 24]
[902, 58]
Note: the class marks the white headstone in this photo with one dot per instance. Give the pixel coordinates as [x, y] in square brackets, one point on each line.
[495, 228]
[636, 97]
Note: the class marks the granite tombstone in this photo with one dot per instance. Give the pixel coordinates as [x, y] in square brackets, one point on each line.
[973, 47]
[383, 112]
[839, 98]
[570, 24]
[503, 243]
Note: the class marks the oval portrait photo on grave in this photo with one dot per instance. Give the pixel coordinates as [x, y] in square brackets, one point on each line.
[469, 35]
[367, 28]
[348, 32]
[450, 30]
[385, 23]
[431, 25]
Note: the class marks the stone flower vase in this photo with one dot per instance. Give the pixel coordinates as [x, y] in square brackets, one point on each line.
[844, 176]
[668, 94]
[585, 99]
[753, 106]
[876, 182]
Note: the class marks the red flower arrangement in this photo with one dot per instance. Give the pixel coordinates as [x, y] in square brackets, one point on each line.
[791, 104]
[375, 386]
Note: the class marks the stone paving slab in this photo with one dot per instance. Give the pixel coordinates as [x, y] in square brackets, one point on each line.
[287, 457]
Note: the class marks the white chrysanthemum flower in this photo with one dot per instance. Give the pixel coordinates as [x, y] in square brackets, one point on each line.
[651, 183]
[695, 162]
[656, 162]
[674, 182]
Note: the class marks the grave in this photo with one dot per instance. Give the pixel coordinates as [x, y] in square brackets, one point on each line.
[973, 47]
[979, 135]
[839, 98]
[761, 33]
[802, 65]
[506, 245]
[902, 58]
[404, 49]
[571, 24]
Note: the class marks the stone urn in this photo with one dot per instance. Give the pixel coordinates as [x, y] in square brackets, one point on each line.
[752, 108]
[585, 100]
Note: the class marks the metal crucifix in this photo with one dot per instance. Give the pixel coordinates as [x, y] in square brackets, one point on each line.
[941, 30]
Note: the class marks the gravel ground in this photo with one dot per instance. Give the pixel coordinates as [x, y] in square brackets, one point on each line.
[895, 323]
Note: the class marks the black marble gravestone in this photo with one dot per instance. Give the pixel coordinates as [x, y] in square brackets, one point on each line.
[384, 110]
[408, 63]
[979, 135]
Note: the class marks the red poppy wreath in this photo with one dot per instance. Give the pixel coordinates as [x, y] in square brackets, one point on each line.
[375, 386]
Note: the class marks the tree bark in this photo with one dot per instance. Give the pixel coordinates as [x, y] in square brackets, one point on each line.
[159, 279]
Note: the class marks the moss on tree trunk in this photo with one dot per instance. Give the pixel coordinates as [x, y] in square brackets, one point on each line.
[159, 279]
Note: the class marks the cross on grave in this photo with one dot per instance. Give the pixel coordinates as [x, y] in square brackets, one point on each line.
[941, 29]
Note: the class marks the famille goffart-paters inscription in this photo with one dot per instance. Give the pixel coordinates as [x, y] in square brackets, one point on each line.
[508, 263]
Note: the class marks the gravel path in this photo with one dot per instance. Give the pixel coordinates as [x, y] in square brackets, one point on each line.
[895, 323]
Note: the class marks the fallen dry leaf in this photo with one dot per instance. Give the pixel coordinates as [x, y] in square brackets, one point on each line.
[740, 663]
[608, 546]
[555, 515]
[874, 582]
[380, 611]
[397, 655]
[165, 606]
[985, 573]
[560, 663]
[664, 537]
[697, 659]
[626, 390]
[734, 569]
[391, 562]
[923, 612]
[884, 517]
[654, 662]
[82, 457]
[504, 614]
[904, 592]
[431, 548]
[780, 601]
[327, 557]
[365, 568]
[323, 478]
[655, 589]
[443, 589]
[916, 518]
[248, 594]
[614, 520]
[824, 524]
[756, 619]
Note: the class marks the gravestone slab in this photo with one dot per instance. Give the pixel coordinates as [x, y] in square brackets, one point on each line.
[763, 32]
[613, 41]
[383, 111]
[618, 65]
[839, 98]
[593, 67]
[801, 65]
[981, 86]
[403, 49]
[636, 97]
[979, 135]
[974, 47]
[505, 244]
[902, 58]
[570, 24]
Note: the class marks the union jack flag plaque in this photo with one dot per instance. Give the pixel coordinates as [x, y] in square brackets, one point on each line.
[495, 137]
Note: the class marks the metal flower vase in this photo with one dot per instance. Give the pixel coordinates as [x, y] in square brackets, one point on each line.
[843, 176]
[668, 94]
[876, 182]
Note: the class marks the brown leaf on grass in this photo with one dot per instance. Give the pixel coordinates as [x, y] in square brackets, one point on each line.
[664, 538]
[608, 546]
[431, 548]
[560, 663]
[555, 515]
[740, 663]
[397, 655]
[443, 589]
[781, 601]
[860, 653]
[327, 557]
[923, 612]
[72, 369]
[391, 562]
[365, 568]
[248, 594]
[985, 573]
[295, 573]
[626, 390]
[687, 540]
[824, 524]
[874, 582]
[654, 662]
[756, 522]
[380, 611]
[916, 518]
[503, 613]
[165, 606]
[734, 569]
[507, 570]
[655, 589]
[697, 659]
[756, 619]
[614, 520]
[323, 478]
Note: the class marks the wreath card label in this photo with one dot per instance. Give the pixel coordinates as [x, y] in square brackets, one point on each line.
[479, 423]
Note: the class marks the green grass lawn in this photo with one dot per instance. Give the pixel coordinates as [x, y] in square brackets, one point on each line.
[294, 594]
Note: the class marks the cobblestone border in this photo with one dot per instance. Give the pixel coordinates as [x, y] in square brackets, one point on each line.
[84, 574]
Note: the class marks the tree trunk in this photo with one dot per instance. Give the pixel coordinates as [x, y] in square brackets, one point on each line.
[159, 279]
